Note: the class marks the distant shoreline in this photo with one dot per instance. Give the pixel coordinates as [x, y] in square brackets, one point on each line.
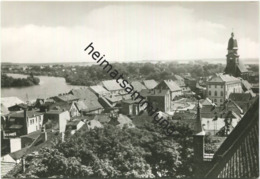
[249, 61]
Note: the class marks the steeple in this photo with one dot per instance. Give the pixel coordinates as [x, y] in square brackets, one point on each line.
[198, 127]
[232, 44]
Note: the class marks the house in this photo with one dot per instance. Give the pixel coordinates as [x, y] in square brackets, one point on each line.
[89, 106]
[113, 87]
[75, 125]
[181, 83]
[130, 107]
[121, 121]
[65, 98]
[160, 98]
[170, 85]
[94, 124]
[220, 86]
[83, 93]
[7, 102]
[240, 149]
[22, 123]
[150, 84]
[56, 120]
[63, 106]
[243, 100]
[18, 107]
[138, 86]
[213, 118]
[246, 86]
[99, 90]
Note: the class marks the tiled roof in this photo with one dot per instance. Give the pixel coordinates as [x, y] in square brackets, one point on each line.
[83, 93]
[223, 78]
[150, 84]
[99, 90]
[138, 86]
[220, 111]
[238, 156]
[246, 84]
[240, 96]
[111, 85]
[60, 106]
[172, 85]
[184, 115]
[241, 67]
[88, 105]
[65, 98]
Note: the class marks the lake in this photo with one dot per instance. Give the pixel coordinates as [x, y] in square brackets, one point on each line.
[49, 86]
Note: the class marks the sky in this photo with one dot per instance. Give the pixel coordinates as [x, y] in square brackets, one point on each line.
[42, 32]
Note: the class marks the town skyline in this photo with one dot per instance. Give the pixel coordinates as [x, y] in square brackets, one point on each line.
[191, 30]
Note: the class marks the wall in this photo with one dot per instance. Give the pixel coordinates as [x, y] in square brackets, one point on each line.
[34, 123]
[15, 144]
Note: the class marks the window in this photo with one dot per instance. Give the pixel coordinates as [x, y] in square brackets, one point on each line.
[209, 93]
[221, 100]
[222, 94]
[215, 100]
[216, 93]
[215, 86]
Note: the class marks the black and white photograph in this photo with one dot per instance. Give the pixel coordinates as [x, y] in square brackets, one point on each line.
[129, 89]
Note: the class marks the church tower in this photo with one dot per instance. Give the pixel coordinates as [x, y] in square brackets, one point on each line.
[232, 57]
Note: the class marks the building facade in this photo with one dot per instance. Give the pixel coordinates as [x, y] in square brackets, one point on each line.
[220, 86]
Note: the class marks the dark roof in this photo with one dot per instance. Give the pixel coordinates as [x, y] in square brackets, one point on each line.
[20, 114]
[240, 149]
[32, 135]
[88, 105]
[16, 126]
[75, 122]
[240, 97]
[65, 98]
[54, 112]
[184, 115]
[60, 106]
[21, 105]
[158, 92]
[27, 150]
